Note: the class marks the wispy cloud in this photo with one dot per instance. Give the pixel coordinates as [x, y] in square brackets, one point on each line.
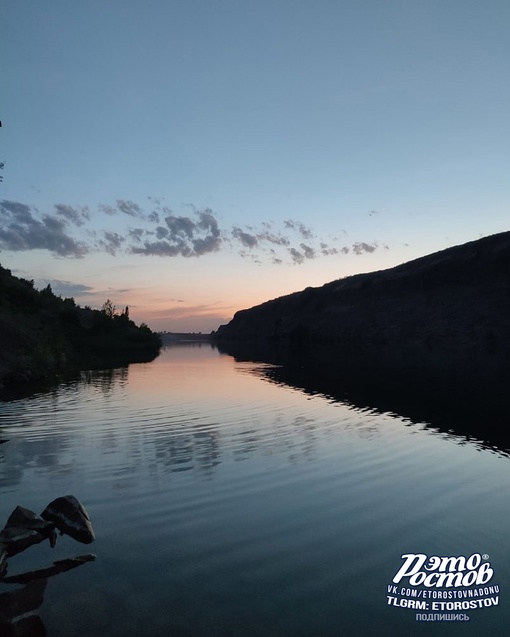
[74, 231]
[304, 231]
[65, 288]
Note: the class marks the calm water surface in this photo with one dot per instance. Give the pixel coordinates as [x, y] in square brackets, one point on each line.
[228, 505]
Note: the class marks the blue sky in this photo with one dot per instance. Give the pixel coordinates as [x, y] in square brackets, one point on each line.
[194, 158]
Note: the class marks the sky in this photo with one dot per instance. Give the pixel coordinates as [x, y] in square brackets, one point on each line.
[190, 158]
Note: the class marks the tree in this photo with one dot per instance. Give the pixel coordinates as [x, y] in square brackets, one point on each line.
[108, 309]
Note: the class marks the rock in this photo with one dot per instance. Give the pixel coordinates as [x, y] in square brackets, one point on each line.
[24, 518]
[25, 528]
[70, 517]
[19, 605]
[17, 540]
[3, 561]
[60, 566]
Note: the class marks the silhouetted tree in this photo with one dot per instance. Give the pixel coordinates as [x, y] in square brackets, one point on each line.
[108, 309]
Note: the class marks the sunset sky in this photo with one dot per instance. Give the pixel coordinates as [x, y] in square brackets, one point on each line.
[190, 158]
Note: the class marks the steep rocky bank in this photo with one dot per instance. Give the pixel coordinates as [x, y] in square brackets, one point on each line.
[454, 299]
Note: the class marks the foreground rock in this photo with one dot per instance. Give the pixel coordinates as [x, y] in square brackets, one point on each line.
[69, 516]
[25, 528]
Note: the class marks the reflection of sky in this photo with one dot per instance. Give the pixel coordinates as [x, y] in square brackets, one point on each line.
[192, 410]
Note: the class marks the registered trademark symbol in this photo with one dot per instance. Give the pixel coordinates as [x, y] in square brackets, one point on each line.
[485, 556]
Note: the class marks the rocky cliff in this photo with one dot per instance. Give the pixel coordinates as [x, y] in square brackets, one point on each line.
[454, 299]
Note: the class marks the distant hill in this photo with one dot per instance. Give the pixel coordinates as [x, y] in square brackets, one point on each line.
[41, 333]
[170, 338]
[454, 299]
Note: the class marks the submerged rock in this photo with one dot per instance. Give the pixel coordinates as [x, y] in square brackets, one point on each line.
[23, 529]
[69, 516]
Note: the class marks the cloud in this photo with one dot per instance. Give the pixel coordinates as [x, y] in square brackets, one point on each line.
[109, 210]
[126, 206]
[304, 231]
[254, 239]
[159, 249]
[161, 232]
[362, 247]
[78, 216]
[184, 236]
[327, 250]
[136, 233]
[164, 233]
[129, 208]
[180, 227]
[276, 239]
[208, 222]
[309, 253]
[112, 242]
[248, 240]
[297, 257]
[21, 231]
[65, 288]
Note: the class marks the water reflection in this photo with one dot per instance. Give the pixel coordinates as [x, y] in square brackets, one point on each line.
[235, 488]
[175, 428]
[172, 418]
[105, 379]
[183, 451]
[463, 398]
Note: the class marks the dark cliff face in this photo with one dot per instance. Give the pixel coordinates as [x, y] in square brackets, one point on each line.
[456, 298]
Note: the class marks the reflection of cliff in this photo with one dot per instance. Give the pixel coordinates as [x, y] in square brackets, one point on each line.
[459, 395]
[455, 299]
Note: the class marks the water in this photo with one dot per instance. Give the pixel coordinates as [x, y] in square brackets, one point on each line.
[228, 503]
